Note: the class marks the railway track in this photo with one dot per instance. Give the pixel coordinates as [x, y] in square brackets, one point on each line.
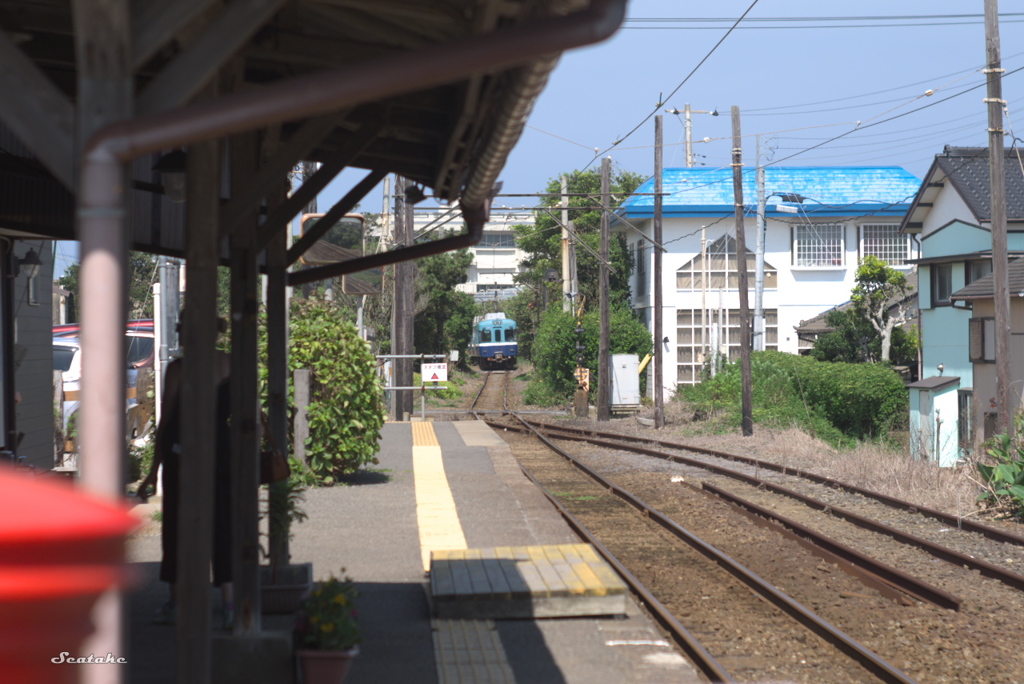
[782, 638]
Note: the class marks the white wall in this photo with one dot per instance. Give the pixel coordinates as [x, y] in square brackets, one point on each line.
[801, 292]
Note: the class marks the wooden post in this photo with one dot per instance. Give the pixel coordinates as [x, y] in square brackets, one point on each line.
[604, 360]
[997, 188]
[198, 411]
[659, 345]
[401, 326]
[245, 446]
[277, 370]
[741, 267]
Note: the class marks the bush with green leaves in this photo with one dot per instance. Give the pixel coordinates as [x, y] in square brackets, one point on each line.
[346, 411]
[1004, 479]
[554, 352]
[837, 402]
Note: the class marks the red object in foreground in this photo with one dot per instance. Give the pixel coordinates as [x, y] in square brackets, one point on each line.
[60, 549]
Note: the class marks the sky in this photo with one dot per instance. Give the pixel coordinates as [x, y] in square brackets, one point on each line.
[798, 84]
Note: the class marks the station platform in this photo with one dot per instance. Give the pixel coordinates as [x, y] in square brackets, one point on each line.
[452, 492]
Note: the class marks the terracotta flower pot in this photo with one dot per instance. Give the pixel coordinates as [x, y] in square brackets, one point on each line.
[325, 667]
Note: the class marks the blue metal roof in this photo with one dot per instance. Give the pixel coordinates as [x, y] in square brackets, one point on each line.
[829, 191]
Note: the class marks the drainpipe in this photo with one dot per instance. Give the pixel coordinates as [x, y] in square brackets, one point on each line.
[100, 200]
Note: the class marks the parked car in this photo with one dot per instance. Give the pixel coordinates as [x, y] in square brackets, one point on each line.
[139, 380]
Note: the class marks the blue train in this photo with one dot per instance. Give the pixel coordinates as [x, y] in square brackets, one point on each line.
[494, 342]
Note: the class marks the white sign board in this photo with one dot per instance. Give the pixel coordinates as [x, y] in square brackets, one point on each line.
[434, 372]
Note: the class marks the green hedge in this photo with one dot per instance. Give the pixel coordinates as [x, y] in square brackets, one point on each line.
[838, 402]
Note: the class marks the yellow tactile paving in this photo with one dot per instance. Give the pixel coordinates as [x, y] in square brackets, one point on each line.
[470, 652]
[542, 571]
[435, 507]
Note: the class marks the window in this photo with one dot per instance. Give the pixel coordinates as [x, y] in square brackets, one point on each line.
[510, 334]
[942, 284]
[976, 270]
[819, 244]
[140, 350]
[694, 340]
[982, 340]
[485, 335]
[505, 239]
[721, 269]
[641, 268]
[62, 357]
[883, 240]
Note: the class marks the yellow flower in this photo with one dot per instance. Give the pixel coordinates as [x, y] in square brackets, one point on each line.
[327, 627]
[340, 600]
[313, 619]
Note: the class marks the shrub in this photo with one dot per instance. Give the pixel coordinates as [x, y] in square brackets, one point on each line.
[837, 402]
[346, 412]
[554, 351]
[1004, 481]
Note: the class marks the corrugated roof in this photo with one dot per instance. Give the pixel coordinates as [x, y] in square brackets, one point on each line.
[984, 288]
[830, 191]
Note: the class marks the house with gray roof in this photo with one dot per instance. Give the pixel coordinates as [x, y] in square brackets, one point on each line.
[819, 222]
[980, 298]
[950, 216]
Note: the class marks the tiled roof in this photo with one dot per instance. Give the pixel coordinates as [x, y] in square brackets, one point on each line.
[967, 170]
[817, 324]
[830, 191]
[984, 288]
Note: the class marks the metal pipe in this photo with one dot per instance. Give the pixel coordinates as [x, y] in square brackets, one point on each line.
[101, 214]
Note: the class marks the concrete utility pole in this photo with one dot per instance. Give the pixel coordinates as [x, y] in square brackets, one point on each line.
[566, 269]
[741, 267]
[1000, 260]
[688, 127]
[762, 224]
[604, 360]
[659, 345]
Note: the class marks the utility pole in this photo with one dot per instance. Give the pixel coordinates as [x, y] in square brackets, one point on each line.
[741, 267]
[401, 322]
[659, 345]
[1000, 261]
[566, 270]
[688, 127]
[604, 361]
[759, 255]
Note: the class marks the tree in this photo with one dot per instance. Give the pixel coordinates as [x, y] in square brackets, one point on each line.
[542, 241]
[881, 296]
[142, 274]
[854, 340]
[555, 360]
[443, 314]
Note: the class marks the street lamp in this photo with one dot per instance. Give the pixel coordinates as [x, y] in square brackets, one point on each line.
[762, 225]
[688, 126]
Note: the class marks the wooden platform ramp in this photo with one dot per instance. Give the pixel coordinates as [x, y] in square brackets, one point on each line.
[567, 580]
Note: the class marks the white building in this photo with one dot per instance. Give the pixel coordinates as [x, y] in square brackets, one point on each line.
[496, 258]
[830, 218]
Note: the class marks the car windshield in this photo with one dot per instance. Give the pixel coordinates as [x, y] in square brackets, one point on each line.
[62, 358]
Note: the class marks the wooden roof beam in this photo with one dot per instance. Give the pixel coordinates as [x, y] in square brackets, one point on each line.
[156, 22]
[296, 148]
[40, 115]
[194, 68]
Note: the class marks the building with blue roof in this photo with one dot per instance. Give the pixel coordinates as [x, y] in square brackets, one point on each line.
[819, 222]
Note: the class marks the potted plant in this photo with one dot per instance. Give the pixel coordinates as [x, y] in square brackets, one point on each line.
[284, 584]
[326, 634]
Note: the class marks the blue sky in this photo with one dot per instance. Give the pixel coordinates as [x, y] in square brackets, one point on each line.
[796, 87]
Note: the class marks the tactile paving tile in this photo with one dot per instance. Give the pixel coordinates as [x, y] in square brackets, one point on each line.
[526, 581]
